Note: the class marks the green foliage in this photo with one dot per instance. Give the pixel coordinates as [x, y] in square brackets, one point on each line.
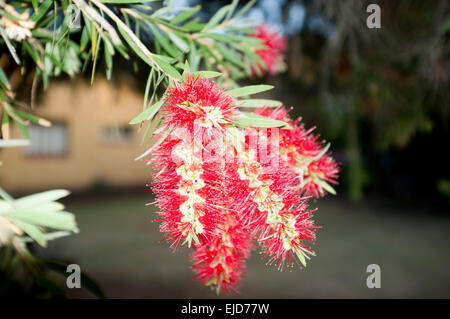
[29, 217]
[58, 45]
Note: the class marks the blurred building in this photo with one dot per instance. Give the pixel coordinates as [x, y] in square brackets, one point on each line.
[89, 143]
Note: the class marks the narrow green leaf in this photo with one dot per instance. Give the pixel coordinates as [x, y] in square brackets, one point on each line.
[135, 47]
[57, 220]
[215, 20]
[23, 129]
[325, 185]
[147, 87]
[246, 119]
[249, 90]
[300, 256]
[322, 152]
[166, 67]
[162, 40]
[185, 15]
[33, 231]
[258, 103]
[193, 57]
[40, 198]
[41, 11]
[232, 8]
[229, 54]
[207, 74]
[148, 113]
[246, 8]
[84, 38]
[180, 43]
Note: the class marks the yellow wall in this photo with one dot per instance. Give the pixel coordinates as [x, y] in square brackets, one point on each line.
[86, 110]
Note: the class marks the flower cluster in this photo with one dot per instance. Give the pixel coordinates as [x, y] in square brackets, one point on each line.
[305, 155]
[224, 199]
[271, 52]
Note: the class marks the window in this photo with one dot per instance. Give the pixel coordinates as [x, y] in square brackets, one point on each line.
[117, 134]
[47, 141]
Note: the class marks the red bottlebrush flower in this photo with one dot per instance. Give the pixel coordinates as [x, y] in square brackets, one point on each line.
[217, 198]
[186, 187]
[197, 101]
[280, 220]
[306, 156]
[220, 262]
[272, 52]
[324, 170]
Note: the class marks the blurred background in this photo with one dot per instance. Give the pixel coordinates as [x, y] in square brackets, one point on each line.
[380, 96]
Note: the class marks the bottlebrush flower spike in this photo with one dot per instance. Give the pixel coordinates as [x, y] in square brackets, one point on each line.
[194, 110]
[280, 219]
[220, 263]
[306, 156]
[272, 51]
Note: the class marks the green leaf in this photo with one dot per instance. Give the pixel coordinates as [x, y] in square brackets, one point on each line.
[322, 152]
[193, 25]
[41, 11]
[214, 21]
[84, 39]
[173, 51]
[135, 47]
[33, 231]
[246, 8]
[249, 90]
[23, 129]
[40, 198]
[50, 236]
[325, 186]
[186, 68]
[57, 220]
[147, 87]
[193, 57]
[166, 67]
[300, 256]
[32, 52]
[232, 8]
[229, 54]
[186, 15]
[148, 113]
[258, 103]
[246, 119]
[207, 74]
[181, 44]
